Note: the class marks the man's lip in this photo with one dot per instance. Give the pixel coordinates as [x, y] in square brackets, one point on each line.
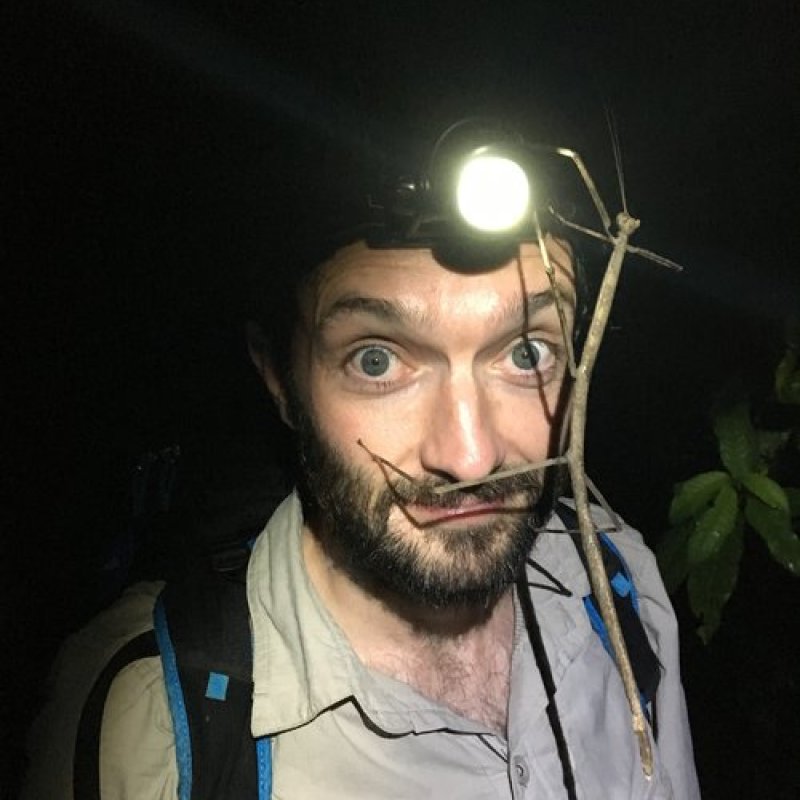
[469, 508]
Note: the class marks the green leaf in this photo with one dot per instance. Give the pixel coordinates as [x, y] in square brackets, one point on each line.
[693, 495]
[714, 526]
[737, 440]
[766, 490]
[775, 528]
[673, 561]
[793, 496]
[712, 582]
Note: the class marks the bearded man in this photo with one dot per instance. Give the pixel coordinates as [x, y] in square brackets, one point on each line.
[416, 607]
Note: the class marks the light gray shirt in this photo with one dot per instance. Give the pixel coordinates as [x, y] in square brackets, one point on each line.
[340, 730]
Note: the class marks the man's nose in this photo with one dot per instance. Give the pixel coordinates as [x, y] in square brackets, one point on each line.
[462, 441]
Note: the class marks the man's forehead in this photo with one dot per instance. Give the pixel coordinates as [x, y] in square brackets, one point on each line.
[357, 264]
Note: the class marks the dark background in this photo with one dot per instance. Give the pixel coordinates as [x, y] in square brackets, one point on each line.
[140, 145]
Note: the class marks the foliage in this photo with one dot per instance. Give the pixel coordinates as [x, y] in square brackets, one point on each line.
[713, 511]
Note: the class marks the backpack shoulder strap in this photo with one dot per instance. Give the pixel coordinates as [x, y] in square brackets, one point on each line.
[86, 761]
[203, 632]
[644, 662]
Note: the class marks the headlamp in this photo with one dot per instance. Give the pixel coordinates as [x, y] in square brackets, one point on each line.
[492, 192]
[477, 187]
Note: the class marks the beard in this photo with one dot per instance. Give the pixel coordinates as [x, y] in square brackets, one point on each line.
[368, 532]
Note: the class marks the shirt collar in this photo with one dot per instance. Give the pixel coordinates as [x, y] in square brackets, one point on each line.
[300, 659]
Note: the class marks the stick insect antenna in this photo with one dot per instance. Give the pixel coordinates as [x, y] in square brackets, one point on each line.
[616, 147]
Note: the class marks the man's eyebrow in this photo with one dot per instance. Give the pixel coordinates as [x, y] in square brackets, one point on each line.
[531, 304]
[388, 310]
[524, 307]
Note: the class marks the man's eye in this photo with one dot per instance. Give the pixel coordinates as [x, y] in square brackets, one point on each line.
[373, 361]
[531, 354]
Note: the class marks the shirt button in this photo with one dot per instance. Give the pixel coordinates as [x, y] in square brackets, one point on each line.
[521, 770]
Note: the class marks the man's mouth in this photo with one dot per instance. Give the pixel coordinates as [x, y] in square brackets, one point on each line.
[468, 510]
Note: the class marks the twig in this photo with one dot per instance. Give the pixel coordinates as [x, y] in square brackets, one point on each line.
[604, 504]
[575, 460]
[590, 185]
[639, 251]
[497, 476]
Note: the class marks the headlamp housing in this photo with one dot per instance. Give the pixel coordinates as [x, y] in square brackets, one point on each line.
[478, 187]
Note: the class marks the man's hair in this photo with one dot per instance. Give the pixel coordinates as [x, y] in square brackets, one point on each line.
[318, 198]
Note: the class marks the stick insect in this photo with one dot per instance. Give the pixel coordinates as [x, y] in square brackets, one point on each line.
[581, 372]
[616, 235]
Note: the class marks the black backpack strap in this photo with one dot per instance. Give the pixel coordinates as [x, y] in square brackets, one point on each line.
[644, 662]
[86, 763]
[202, 634]
[203, 631]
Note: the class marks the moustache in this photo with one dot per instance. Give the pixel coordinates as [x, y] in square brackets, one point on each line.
[424, 492]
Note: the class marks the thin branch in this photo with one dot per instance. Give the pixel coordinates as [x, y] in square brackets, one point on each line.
[655, 258]
[575, 460]
[639, 251]
[590, 185]
[606, 239]
[384, 462]
[604, 504]
[520, 469]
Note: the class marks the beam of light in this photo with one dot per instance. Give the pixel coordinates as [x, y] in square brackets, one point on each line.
[188, 41]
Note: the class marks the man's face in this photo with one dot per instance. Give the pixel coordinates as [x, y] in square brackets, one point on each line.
[408, 376]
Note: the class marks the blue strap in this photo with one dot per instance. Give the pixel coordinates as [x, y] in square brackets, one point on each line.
[598, 626]
[177, 707]
[264, 757]
[621, 584]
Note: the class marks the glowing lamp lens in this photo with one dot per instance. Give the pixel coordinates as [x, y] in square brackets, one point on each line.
[493, 193]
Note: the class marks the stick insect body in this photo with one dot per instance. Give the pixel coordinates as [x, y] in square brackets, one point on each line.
[573, 456]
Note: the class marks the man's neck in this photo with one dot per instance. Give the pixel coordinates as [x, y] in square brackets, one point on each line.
[460, 657]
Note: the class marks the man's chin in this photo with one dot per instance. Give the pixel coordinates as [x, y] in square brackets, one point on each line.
[460, 563]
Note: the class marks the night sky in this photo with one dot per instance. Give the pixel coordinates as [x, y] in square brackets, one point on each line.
[141, 147]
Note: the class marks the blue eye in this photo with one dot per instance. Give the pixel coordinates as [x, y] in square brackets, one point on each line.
[374, 361]
[526, 355]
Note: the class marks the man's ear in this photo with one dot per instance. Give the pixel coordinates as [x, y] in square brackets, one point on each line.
[257, 347]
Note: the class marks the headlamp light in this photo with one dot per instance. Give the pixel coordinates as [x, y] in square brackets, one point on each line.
[477, 187]
[492, 193]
